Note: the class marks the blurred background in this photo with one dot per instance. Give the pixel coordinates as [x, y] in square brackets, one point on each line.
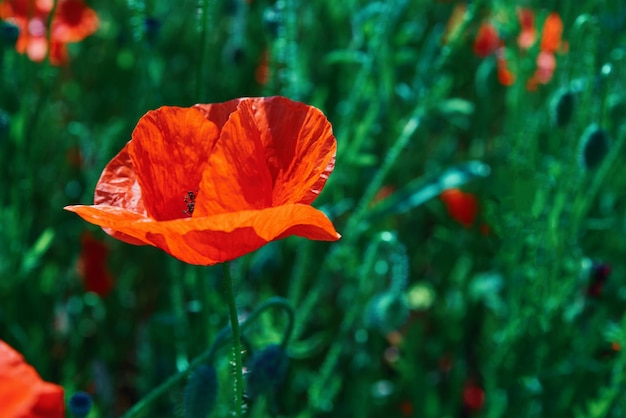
[479, 189]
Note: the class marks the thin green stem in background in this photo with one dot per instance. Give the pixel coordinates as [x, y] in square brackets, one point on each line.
[234, 324]
[207, 356]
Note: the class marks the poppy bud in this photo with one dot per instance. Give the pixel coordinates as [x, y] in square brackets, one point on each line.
[267, 370]
[80, 404]
[8, 33]
[200, 393]
[386, 312]
[594, 145]
[563, 107]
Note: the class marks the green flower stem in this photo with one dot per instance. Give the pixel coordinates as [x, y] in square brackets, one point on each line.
[222, 337]
[234, 325]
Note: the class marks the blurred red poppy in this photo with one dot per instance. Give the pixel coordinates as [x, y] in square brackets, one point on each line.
[23, 394]
[551, 43]
[487, 40]
[505, 76]
[461, 206]
[473, 396]
[213, 182]
[72, 22]
[551, 34]
[528, 32]
[92, 266]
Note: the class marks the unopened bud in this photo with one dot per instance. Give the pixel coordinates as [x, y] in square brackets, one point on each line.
[267, 370]
[80, 404]
[594, 146]
[200, 393]
[563, 107]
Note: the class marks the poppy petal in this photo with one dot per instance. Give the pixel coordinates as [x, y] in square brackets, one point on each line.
[214, 239]
[118, 185]
[106, 216]
[237, 177]
[487, 40]
[552, 32]
[22, 391]
[299, 147]
[73, 21]
[218, 113]
[169, 150]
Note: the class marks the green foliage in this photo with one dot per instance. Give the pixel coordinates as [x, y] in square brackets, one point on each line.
[409, 308]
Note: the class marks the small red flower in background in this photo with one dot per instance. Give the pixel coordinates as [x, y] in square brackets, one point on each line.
[505, 76]
[473, 396]
[551, 43]
[262, 72]
[552, 32]
[213, 182]
[487, 40]
[92, 266]
[72, 22]
[462, 207]
[528, 32]
[23, 394]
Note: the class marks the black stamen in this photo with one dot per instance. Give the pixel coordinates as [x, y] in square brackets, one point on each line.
[190, 201]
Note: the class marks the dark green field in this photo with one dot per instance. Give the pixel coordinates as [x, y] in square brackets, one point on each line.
[479, 187]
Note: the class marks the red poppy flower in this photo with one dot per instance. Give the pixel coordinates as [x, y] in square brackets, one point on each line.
[213, 182]
[462, 207]
[551, 34]
[92, 266]
[528, 33]
[23, 394]
[72, 22]
[551, 43]
[473, 396]
[505, 76]
[487, 40]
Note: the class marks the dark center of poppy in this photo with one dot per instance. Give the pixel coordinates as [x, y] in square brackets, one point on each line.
[190, 201]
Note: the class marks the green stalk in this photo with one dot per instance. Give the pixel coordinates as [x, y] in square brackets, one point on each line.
[207, 356]
[234, 325]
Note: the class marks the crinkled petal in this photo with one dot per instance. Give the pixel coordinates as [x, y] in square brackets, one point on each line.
[118, 185]
[237, 177]
[299, 147]
[169, 150]
[215, 239]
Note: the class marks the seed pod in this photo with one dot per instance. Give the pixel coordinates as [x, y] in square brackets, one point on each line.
[563, 107]
[80, 404]
[594, 145]
[200, 393]
[266, 370]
